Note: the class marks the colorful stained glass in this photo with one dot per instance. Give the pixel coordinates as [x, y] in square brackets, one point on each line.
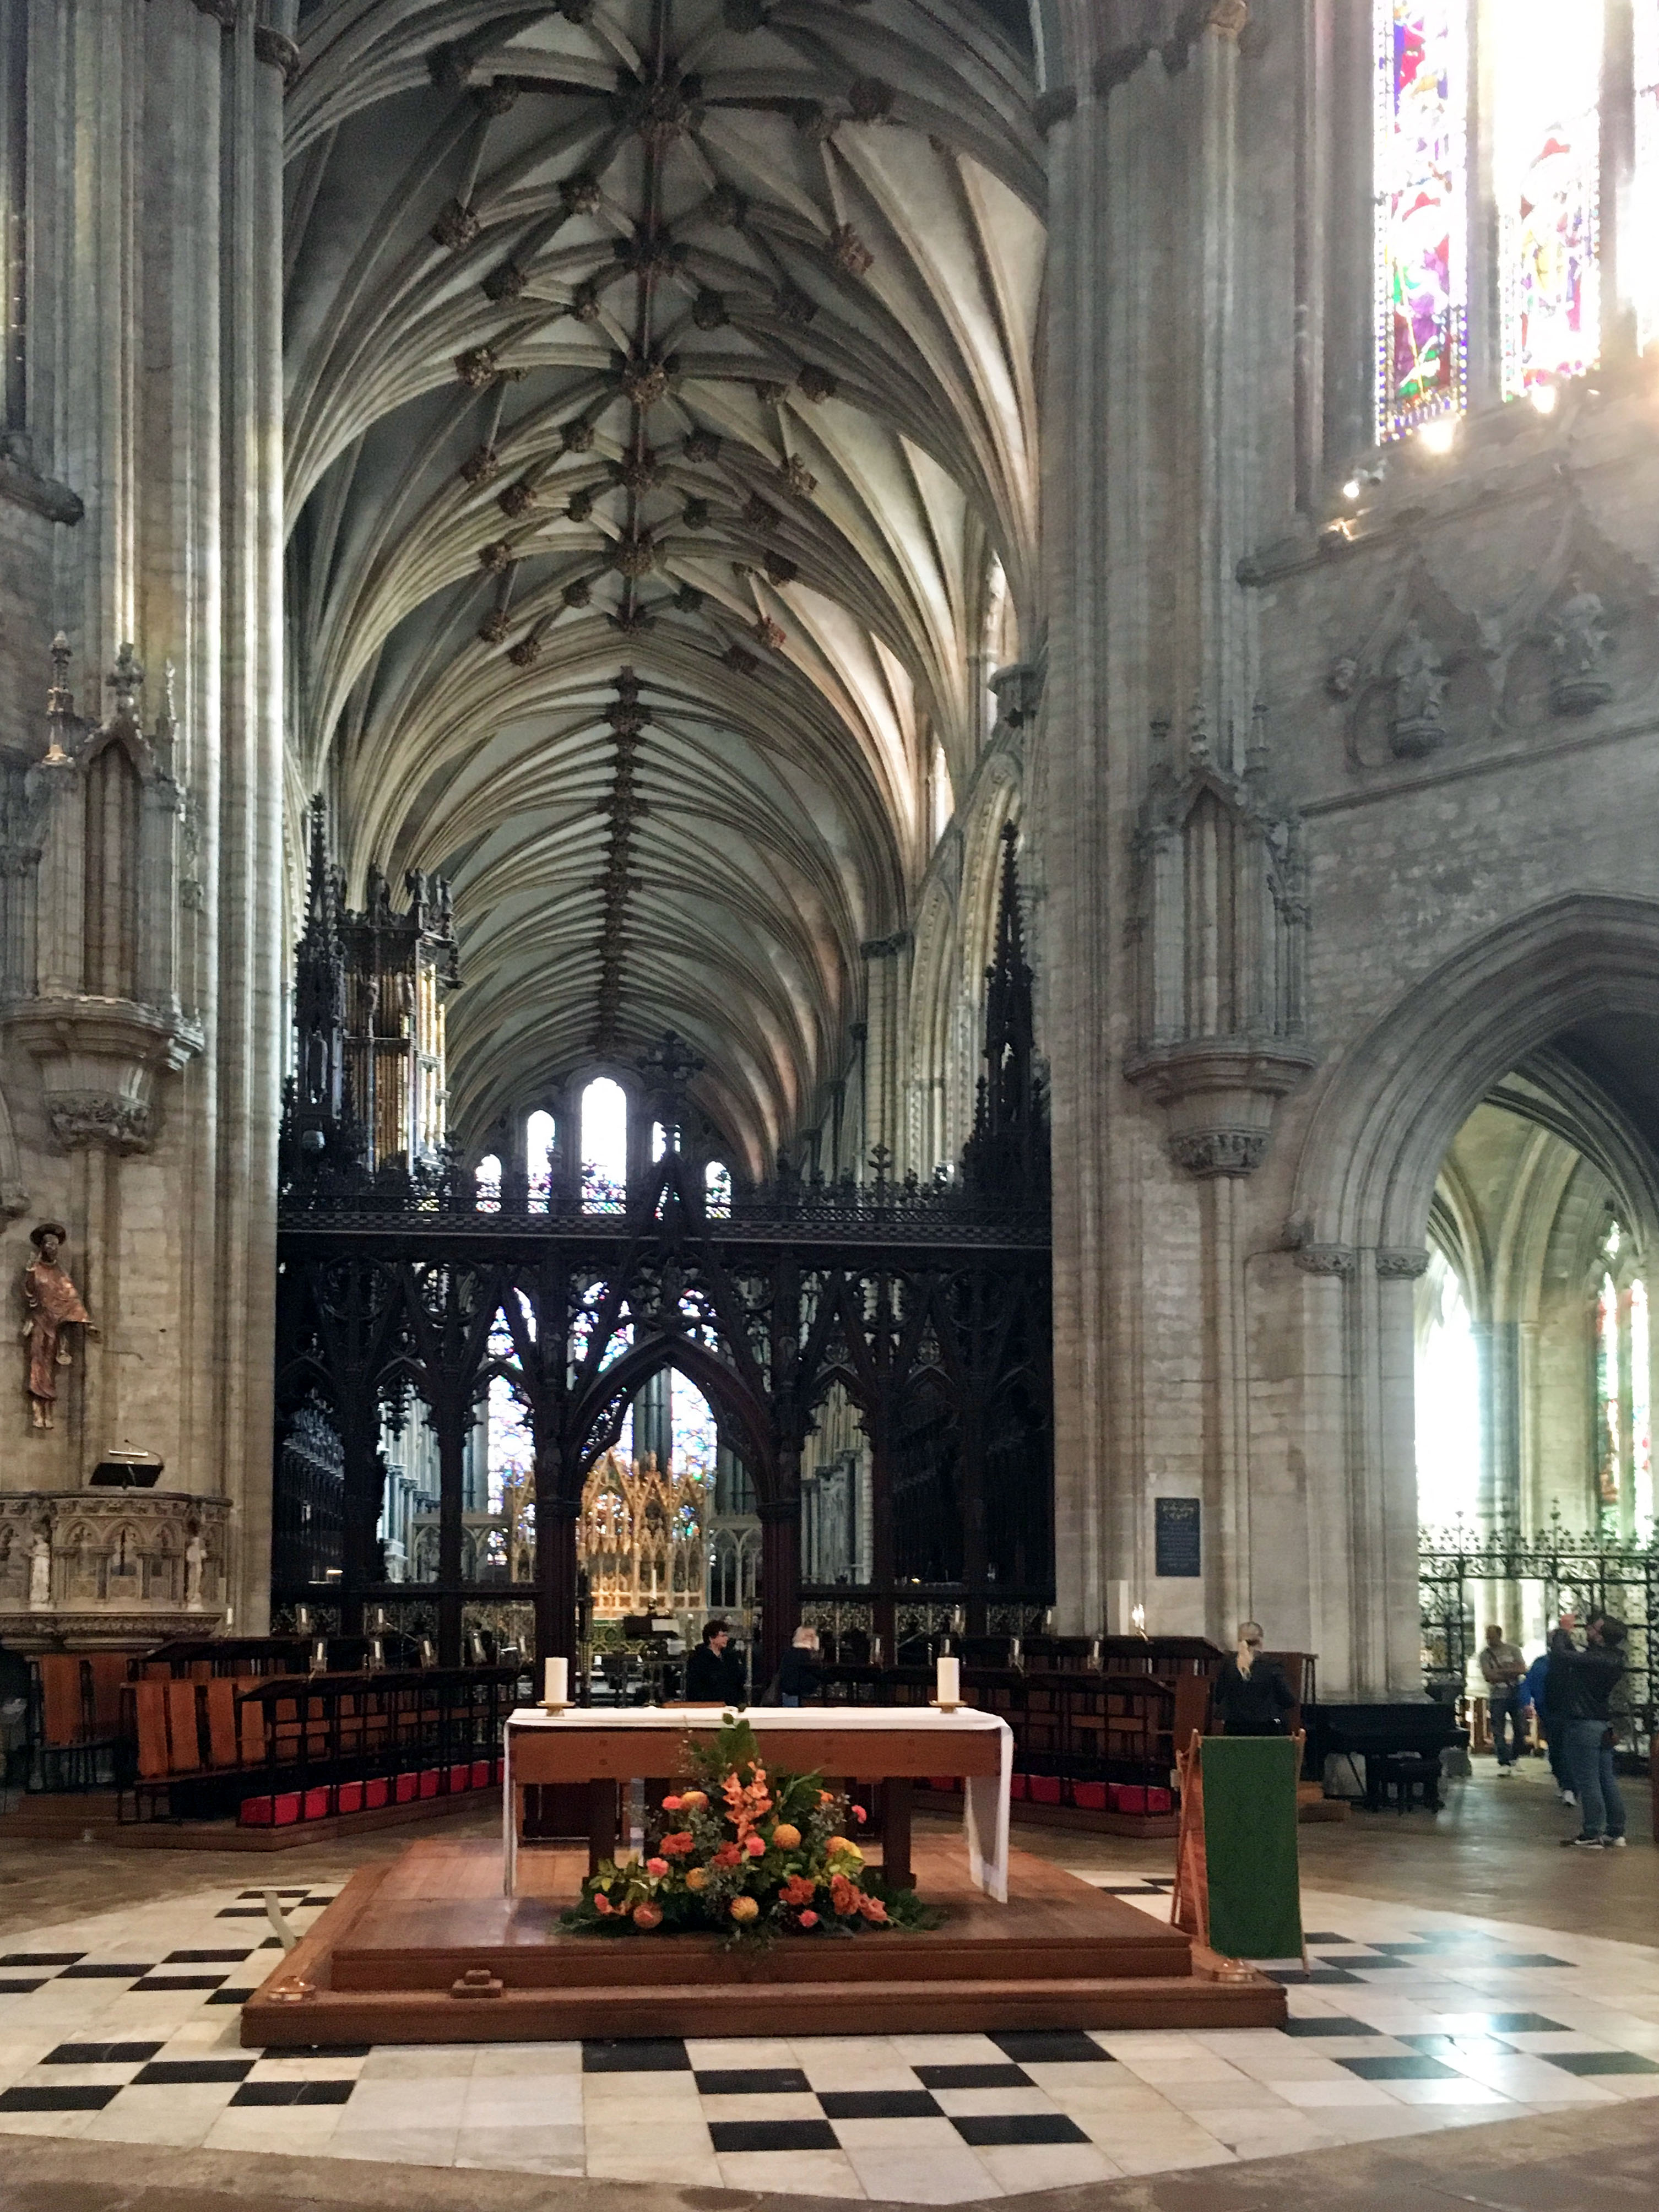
[694, 1440]
[1608, 1410]
[717, 1187]
[1547, 165]
[1641, 1407]
[1422, 211]
[1642, 282]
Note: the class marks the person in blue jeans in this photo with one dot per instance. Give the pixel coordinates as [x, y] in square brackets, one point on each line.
[1504, 1671]
[1535, 1694]
[1582, 1704]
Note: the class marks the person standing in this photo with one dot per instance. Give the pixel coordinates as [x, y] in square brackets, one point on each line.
[800, 1676]
[1503, 1670]
[1584, 1704]
[714, 1673]
[1535, 1694]
[1251, 1696]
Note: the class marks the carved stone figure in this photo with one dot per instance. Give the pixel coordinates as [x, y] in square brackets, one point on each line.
[1417, 725]
[195, 1561]
[1578, 638]
[40, 1569]
[53, 1305]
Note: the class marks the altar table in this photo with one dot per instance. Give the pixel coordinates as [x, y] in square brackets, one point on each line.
[889, 1744]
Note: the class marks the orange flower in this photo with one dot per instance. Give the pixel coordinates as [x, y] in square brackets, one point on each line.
[842, 1895]
[871, 1907]
[601, 1902]
[809, 1920]
[799, 1889]
[744, 1908]
[786, 1837]
[676, 1847]
[696, 1877]
[672, 1804]
[755, 1846]
[692, 1798]
[727, 1855]
[746, 1802]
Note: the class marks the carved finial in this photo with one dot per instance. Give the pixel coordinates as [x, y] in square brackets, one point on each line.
[1200, 753]
[60, 700]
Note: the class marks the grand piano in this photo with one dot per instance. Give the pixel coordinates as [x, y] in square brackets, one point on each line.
[1376, 1734]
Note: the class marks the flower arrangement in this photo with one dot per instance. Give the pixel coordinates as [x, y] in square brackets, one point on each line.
[747, 1854]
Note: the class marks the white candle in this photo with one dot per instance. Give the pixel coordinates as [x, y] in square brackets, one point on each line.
[556, 1686]
[950, 1682]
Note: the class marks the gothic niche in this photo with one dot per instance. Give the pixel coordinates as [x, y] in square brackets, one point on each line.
[1582, 629]
[1418, 679]
[640, 1538]
[89, 962]
[1221, 927]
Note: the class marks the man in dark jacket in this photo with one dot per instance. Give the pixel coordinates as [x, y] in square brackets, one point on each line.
[714, 1673]
[1583, 1684]
[1251, 1695]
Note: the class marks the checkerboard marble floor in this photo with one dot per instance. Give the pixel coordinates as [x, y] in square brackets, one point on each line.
[122, 2028]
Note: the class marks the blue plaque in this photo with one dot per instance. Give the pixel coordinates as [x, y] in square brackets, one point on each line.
[1178, 1536]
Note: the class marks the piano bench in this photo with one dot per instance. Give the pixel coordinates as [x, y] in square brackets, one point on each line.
[1408, 1774]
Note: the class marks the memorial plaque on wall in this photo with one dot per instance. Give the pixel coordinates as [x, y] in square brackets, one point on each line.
[1178, 1538]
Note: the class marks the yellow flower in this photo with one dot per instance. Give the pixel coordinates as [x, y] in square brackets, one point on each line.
[696, 1877]
[786, 1837]
[744, 1908]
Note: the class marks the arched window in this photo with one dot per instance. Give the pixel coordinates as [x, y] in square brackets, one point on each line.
[1622, 1390]
[1518, 104]
[538, 1139]
[945, 801]
[1448, 1399]
[717, 1188]
[605, 1143]
[487, 1184]
[694, 1442]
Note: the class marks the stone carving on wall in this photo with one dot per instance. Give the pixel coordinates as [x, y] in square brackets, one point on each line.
[1220, 925]
[114, 1567]
[1582, 631]
[89, 958]
[53, 1305]
[1419, 677]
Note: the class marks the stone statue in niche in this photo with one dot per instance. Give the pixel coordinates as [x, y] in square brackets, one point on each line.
[53, 1305]
[40, 1569]
[1417, 724]
[195, 1561]
[1578, 637]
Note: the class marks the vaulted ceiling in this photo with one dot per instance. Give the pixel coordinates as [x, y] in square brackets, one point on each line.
[660, 408]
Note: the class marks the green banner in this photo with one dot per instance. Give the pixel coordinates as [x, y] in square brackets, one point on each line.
[1249, 1842]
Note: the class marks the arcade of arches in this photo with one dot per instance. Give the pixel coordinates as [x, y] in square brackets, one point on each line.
[538, 629]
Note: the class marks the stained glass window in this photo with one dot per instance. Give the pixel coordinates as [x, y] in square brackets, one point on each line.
[717, 1187]
[487, 1182]
[1546, 162]
[538, 1134]
[1422, 212]
[1607, 1408]
[693, 1438]
[1642, 281]
[1641, 1407]
[510, 1485]
[605, 1143]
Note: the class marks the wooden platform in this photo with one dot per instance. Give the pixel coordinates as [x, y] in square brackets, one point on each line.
[426, 1949]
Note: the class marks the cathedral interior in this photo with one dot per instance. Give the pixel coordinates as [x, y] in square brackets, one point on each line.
[828, 815]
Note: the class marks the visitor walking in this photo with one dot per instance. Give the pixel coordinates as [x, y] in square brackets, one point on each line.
[1535, 1696]
[1251, 1695]
[1587, 1681]
[1503, 1670]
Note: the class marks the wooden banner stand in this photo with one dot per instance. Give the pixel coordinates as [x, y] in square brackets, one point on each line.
[1189, 1905]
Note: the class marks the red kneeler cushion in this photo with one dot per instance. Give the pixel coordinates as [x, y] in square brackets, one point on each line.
[407, 1786]
[430, 1778]
[482, 1777]
[1089, 1796]
[254, 1813]
[349, 1797]
[376, 1791]
[1016, 1785]
[1045, 1789]
[460, 1777]
[318, 1804]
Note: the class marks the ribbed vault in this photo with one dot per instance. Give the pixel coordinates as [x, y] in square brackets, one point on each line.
[679, 345]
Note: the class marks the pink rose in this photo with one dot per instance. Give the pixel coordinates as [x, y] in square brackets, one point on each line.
[672, 1804]
[809, 1920]
[756, 1847]
[859, 1815]
[658, 1867]
[601, 1903]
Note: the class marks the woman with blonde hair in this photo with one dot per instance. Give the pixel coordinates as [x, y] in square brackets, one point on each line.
[1251, 1696]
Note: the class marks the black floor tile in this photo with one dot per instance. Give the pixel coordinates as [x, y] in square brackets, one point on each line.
[294, 2093]
[276, 1892]
[1329, 1936]
[1328, 2024]
[1522, 2023]
[1599, 2062]
[772, 2135]
[879, 2104]
[990, 2128]
[321, 2051]
[1360, 1963]
[42, 1957]
[271, 1943]
[230, 1996]
[1453, 2046]
[193, 2069]
[1050, 2046]
[1387, 2067]
[181, 1982]
[240, 1912]
[71, 2099]
[12, 1988]
[1321, 1976]
[101, 2054]
[1418, 1947]
[103, 1970]
[973, 2077]
[205, 1957]
[752, 2081]
[309, 1899]
[642, 2055]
